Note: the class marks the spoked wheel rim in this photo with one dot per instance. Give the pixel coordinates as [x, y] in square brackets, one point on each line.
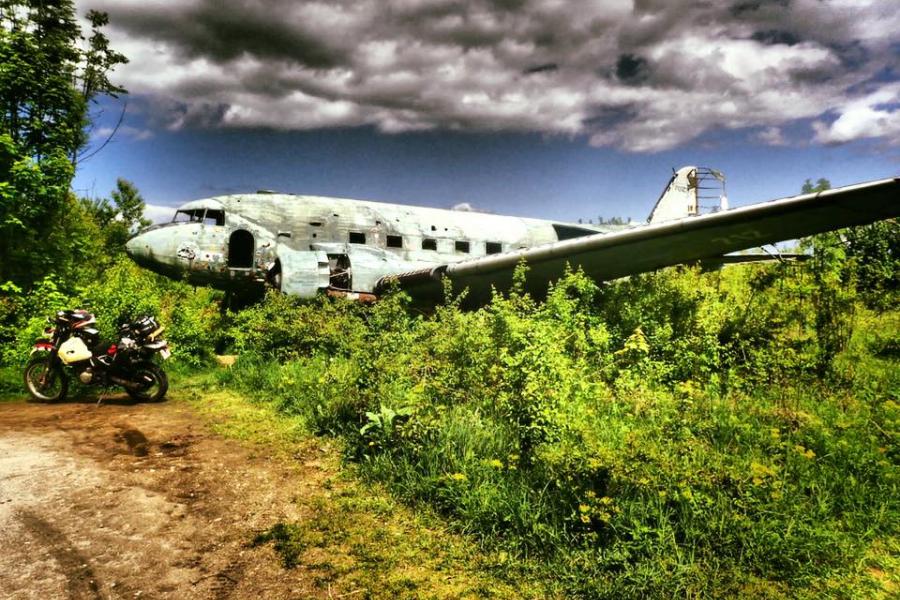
[43, 381]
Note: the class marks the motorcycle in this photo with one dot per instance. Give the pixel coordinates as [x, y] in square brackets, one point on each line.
[74, 346]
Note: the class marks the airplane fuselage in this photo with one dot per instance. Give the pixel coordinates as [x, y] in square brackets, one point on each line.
[307, 244]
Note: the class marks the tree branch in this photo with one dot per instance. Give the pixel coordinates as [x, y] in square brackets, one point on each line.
[108, 139]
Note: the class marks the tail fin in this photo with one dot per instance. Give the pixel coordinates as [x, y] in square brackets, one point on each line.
[685, 192]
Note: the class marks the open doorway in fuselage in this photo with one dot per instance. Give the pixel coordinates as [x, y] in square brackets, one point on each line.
[341, 277]
[241, 247]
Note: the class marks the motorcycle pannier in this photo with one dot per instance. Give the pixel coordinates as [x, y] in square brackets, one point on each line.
[145, 326]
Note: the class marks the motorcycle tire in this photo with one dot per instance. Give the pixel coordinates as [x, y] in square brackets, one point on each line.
[45, 382]
[157, 383]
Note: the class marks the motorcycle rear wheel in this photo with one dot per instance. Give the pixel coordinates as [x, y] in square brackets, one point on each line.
[45, 382]
[155, 383]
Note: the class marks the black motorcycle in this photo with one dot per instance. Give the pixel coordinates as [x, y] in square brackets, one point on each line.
[74, 346]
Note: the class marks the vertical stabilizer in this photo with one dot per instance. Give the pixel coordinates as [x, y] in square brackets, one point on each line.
[686, 190]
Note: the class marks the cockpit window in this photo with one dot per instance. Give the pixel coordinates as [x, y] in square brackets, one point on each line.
[200, 215]
[214, 217]
[189, 216]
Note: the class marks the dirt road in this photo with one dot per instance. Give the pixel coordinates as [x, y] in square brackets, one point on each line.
[125, 501]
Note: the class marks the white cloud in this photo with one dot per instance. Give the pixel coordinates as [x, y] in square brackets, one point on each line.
[644, 76]
[771, 136]
[875, 115]
[123, 131]
[158, 213]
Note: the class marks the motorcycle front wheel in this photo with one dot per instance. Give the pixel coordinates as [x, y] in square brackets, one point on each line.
[152, 381]
[45, 382]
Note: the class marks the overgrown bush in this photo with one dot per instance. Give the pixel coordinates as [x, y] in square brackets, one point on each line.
[191, 316]
[662, 436]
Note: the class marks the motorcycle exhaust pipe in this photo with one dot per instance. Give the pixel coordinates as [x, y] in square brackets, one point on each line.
[125, 383]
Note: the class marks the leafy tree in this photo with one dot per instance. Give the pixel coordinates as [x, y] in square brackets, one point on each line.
[120, 218]
[32, 196]
[820, 185]
[46, 83]
[833, 296]
[130, 205]
[875, 252]
[834, 291]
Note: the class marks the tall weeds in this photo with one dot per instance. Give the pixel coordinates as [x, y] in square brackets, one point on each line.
[672, 434]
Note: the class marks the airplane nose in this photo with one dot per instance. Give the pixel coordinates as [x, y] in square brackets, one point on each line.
[132, 246]
[152, 249]
[140, 248]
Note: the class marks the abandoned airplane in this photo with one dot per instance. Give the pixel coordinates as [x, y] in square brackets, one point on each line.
[307, 245]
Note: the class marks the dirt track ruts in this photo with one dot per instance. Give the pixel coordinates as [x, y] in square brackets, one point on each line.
[123, 500]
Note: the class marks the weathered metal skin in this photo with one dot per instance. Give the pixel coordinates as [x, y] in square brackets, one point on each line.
[306, 245]
[296, 239]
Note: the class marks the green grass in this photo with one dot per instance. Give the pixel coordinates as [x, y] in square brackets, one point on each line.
[355, 536]
[675, 434]
[11, 385]
[674, 448]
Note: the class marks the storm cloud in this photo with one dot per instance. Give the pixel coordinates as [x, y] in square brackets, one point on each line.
[642, 75]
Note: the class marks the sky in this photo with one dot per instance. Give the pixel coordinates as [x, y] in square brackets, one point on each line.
[543, 108]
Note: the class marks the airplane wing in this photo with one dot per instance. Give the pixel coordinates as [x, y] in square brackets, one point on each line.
[606, 256]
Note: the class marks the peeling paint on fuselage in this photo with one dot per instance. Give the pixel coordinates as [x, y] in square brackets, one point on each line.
[304, 237]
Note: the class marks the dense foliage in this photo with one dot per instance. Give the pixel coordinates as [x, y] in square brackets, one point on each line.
[192, 317]
[677, 433]
[47, 82]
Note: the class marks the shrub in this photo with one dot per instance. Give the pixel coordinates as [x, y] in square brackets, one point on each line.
[665, 435]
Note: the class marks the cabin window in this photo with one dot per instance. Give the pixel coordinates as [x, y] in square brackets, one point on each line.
[214, 217]
[493, 247]
[357, 237]
[316, 223]
[240, 249]
[394, 241]
[429, 244]
[462, 246]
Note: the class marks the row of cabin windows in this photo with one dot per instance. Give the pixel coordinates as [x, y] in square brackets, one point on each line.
[396, 241]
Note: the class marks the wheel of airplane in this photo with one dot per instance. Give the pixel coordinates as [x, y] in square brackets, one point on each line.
[273, 277]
